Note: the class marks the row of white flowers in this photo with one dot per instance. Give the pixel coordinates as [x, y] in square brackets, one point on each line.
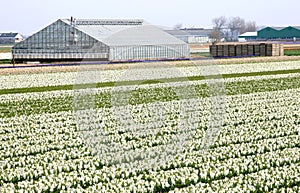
[186, 108]
[152, 121]
[273, 179]
[242, 68]
[217, 172]
[137, 73]
[59, 153]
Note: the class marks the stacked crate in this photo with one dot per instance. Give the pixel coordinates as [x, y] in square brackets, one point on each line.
[238, 50]
[272, 50]
[254, 49]
[275, 50]
[232, 50]
[220, 50]
[226, 50]
[250, 49]
[213, 50]
[269, 48]
[262, 49]
[244, 50]
[281, 50]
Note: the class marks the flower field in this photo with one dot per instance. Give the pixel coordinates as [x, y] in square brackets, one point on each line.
[197, 128]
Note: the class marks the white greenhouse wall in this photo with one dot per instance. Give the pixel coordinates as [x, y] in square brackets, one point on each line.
[148, 52]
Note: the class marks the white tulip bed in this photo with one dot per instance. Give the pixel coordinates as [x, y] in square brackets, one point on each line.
[68, 78]
[241, 134]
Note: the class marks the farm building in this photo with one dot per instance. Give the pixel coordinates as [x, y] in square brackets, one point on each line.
[180, 34]
[108, 40]
[192, 35]
[291, 33]
[279, 33]
[10, 38]
[248, 36]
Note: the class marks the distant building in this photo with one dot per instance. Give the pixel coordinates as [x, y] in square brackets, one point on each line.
[248, 36]
[10, 38]
[192, 35]
[290, 33]
[100, 39]
[180, 34]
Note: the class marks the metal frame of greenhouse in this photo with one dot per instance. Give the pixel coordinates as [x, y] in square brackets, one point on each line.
[107, 40]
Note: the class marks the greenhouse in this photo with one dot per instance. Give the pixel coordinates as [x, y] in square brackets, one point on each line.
[108, 40]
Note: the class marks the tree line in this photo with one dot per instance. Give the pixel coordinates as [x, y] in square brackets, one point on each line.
[230, 28]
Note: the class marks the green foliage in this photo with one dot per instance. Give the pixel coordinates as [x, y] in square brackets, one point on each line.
[5, 61]
[292, 52]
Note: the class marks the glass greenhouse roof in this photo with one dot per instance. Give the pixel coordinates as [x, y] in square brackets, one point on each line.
[124, 32]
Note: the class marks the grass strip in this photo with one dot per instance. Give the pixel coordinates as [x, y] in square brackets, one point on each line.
[5, 61]
[292, 52]
[139, 96]
[5, 49]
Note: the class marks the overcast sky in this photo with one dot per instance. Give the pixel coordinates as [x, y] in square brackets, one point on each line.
[29, 16]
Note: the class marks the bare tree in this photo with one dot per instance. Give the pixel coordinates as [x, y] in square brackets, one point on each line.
[250, 27]
[219, 24]
[178, 26]
[215, 36]
[230, 28]
[236, 25]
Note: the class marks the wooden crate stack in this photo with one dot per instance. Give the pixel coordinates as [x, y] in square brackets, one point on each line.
[220, 50]
[238, 50]
[276, 50]
[213, 50]
[232, 50]
[269, 49]
[273, 50]
[226, 50]
[262, 49]
[244, 49]
[281, 50]
[256, 50]
[250, 49]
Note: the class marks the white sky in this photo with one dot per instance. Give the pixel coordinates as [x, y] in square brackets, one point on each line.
[30, 16]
